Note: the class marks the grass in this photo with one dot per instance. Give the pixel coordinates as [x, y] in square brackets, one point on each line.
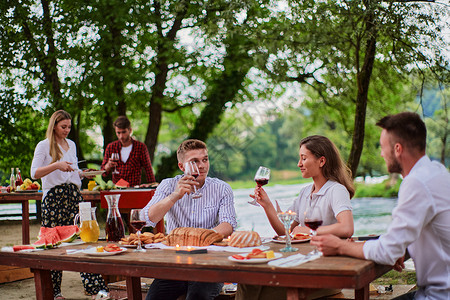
[397, 278]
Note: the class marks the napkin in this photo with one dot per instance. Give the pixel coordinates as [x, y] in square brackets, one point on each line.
[294, 260]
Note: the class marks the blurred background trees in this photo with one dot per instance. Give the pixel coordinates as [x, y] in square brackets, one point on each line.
[249, 77]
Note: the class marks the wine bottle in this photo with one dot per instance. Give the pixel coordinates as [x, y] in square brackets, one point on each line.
[19, 180]
[12, 181]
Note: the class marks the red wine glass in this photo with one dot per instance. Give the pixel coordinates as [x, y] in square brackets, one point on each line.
[262, 177]
[138, 224]
[115, 158]
[191, 168]
[313, 219]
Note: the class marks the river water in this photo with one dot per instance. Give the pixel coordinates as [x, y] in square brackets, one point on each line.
[371, 215]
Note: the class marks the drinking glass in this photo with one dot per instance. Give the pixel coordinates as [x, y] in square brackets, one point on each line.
[313, 219]
[115, 158]
[191, 168]
[138, 224]
[287, 218]
[262, 177]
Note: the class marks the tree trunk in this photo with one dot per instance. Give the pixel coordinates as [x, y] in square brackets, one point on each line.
[225, 88]
[363, 82]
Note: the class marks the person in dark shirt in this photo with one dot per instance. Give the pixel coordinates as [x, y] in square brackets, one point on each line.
[133, 156]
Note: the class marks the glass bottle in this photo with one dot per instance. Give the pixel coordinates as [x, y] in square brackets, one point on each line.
[19, 180]
[12, 181]
[114, 228]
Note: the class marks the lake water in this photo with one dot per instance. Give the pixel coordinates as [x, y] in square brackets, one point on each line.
[371, 215]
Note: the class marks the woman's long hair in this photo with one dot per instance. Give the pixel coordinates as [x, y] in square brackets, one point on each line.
[57, 117]
[334, 168]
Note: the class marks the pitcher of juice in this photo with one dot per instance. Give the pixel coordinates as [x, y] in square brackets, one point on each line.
[89, 226]
[114, 228]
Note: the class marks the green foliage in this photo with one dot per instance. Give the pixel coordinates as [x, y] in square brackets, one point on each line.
[384, 189]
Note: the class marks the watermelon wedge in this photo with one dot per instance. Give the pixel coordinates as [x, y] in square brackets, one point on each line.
[22, 247]
[50, 237]
[122, 184]
[68, 233]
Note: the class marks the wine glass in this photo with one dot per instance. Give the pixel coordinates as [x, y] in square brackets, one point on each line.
[313, 219]
[191, 168]
[115, 158]
[287, 218]
[262, 177]
[138, 224]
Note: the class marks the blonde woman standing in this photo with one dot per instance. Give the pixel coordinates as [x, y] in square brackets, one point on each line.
[55, 162]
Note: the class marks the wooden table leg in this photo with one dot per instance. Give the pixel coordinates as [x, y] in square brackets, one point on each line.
[363, 293]
[134, 288]
[25, 223]
[43, 284]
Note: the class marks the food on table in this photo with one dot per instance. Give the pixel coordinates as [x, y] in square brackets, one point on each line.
[102, 185]
[100, 249]
[50, 237]
[28, 185]
[189, 236]
[243, 239]
[256, 253]
[122, 184]
[146, 238]
[112, 248]
[23, 247]
[301, 236]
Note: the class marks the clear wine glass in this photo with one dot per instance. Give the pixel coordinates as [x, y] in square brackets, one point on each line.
[115, 158]
[138, 224]
[287, 218]
[313, 219]
[262, 177]
[191, 168]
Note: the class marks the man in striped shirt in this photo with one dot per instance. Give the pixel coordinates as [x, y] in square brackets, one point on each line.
[213, 210]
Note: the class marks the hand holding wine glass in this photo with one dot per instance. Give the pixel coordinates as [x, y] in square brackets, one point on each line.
[262, 177]
[191, 168]
[313, 219]
[138, 224]
[115, 158]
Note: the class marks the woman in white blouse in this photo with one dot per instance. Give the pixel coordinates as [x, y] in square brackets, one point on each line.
[55, 162]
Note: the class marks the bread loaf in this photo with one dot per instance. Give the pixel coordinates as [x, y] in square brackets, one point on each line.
[243, 239]
[189, 236]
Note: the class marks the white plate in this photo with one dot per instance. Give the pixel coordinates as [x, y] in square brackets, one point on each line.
[93, 251]
[281, 240]
[93, 173]
[254, 260]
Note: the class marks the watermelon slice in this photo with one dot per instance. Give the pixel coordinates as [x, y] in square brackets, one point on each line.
[68, 233]
[22, 247]
[122, 184]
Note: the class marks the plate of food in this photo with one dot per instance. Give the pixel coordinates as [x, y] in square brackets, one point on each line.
[104, 251]
[297, 238]
[93, 172]
[255, 257]
[27, 191]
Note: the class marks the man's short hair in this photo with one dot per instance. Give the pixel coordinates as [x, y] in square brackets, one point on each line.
[189, 145]
[407, 128]
[122, 122]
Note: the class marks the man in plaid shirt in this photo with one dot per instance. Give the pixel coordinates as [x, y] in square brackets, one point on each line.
[133, 156]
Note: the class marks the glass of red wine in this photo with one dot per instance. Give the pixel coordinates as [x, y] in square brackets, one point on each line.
[313, 219]
[262, 177]
[115, 158]
[138, 224]
[191, 168]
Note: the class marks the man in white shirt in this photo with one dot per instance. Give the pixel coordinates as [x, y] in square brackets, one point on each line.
[421, 220]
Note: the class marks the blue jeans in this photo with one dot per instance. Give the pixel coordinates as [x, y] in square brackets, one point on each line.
[163, 289]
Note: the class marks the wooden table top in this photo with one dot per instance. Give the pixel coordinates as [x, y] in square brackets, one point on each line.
[325, 272]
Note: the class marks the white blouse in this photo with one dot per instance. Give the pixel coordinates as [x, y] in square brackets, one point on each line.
[42, 158]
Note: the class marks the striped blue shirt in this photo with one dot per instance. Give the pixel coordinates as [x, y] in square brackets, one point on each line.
[216, 205]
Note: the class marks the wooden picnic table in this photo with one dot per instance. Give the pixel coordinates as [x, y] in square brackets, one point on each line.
[325, 272]
[129, 199]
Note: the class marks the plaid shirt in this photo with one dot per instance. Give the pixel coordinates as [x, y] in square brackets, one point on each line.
[131, 170]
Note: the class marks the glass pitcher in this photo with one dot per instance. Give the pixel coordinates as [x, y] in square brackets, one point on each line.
[114, 228]
[89, 226]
